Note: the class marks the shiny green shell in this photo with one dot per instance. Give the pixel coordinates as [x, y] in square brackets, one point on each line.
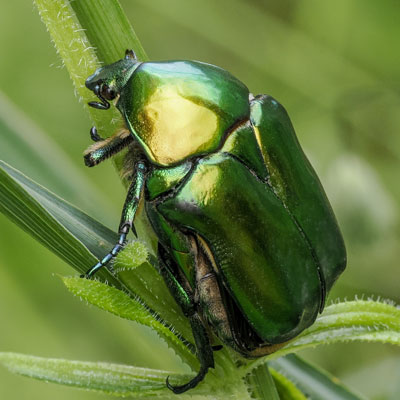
[229, 171]
[182, 109]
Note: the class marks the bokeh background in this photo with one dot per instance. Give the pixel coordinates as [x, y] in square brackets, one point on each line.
[335, 67]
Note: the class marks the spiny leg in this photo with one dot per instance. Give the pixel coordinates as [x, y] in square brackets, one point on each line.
[204, 349]
[105, 148]
[94, 135]
[204, 354]
[128, 215]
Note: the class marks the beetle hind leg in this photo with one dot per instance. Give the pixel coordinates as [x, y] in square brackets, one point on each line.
[190, 385]
[204, 350]
[204, 353]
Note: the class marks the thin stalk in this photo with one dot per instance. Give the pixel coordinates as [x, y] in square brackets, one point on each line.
[261, 384]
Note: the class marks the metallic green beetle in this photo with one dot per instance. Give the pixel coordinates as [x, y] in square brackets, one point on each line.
[248, 243]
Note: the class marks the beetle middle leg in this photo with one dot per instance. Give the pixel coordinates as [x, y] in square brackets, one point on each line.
[204, 349]
[128, 215]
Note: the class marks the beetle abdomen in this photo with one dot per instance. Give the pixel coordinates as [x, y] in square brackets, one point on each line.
[261, 256]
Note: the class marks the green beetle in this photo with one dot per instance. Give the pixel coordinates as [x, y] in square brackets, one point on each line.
[248, 243]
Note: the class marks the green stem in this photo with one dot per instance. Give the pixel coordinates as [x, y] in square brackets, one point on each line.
[261, 384]
[108, 28]
[87, 34]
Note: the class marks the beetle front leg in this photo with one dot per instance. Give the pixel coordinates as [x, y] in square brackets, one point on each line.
[105, 148]
[204, 350]
[94, 135]
[128, 215]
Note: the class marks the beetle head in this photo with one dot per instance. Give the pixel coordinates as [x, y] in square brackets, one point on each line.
[108, 81]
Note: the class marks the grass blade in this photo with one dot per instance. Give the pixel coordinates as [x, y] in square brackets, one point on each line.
[313, 382]
[65, 230]
[114, 379]
[287, 390]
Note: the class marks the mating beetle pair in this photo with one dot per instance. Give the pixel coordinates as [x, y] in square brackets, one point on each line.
[248, 243]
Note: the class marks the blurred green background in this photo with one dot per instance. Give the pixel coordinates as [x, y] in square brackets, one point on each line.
[333, 65]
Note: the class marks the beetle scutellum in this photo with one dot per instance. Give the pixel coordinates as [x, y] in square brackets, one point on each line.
[248, 243]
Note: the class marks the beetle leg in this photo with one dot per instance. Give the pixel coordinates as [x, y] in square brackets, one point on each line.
[204, 354]
[128, 215]
[204, 350]
[94, 135]
[105, 148]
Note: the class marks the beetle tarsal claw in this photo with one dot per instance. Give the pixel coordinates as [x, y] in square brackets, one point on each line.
[190, 385]
[94, 135]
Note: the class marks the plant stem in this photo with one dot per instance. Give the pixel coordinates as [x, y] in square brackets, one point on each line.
[108, 28]
[261, 384]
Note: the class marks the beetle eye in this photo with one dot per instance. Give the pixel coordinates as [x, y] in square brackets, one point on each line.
[108, 93]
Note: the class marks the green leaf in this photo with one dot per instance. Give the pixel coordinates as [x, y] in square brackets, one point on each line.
[365, 320]
[75, 237]
[145, 280]
[358, 320]
[80, 240]
[287, 390]
[68, 232]
[121, 304]
[134, 254]
[114, 379]
[313, 382]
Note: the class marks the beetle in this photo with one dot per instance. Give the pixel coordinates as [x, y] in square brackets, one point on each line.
[248, 243]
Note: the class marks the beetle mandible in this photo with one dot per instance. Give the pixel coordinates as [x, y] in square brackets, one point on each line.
[248, 243]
